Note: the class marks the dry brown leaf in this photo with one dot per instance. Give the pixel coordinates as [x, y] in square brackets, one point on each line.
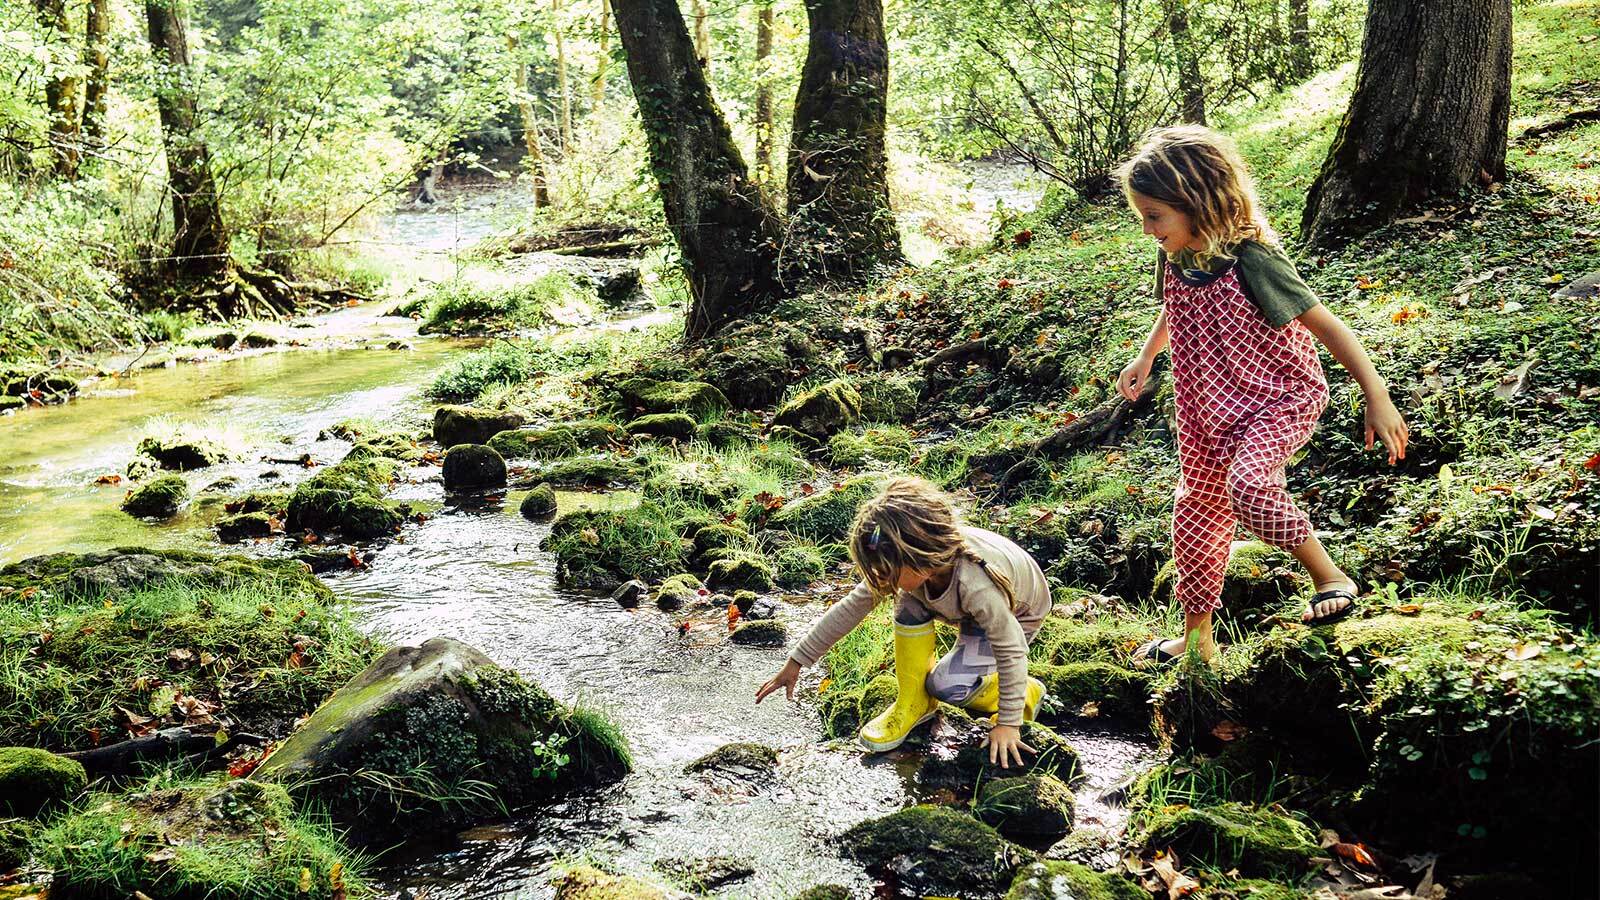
[1177, 883]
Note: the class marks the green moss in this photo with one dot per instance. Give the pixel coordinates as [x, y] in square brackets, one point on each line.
[243, 526]
[741, 571]
[558, 441]
[1033, 809]
[972, 860]
[464, 306]
[1231, 836]
[1106, 638]
[878, 695]
[704, 484]
[727, 435]
[678, 591]
[889, 396]
[840, 710]
[822, 410]
[454, 425]
[794, 568]
[1113, 689]
[16, 839]
[160, 499]
[346, 497]
[766, 633]
[588, 883]
[539, 503]
[396, 445]
[601, 548]
[182, 452]
[597, 471]
[33, 781]
[695, 398]
[678, 426]
[824, 892]
[827, 514]
[885, 447]
[737, 758]
[721, 537]
[1051, 880]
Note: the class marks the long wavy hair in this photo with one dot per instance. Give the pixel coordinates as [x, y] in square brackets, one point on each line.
[912, 526]
[1200, 173]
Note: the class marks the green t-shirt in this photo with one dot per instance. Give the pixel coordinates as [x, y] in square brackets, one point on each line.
[1268, 277]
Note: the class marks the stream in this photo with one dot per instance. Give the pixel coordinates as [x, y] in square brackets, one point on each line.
[475, 572]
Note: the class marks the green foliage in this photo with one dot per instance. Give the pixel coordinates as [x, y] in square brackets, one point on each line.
[600, 548]
[467, 306]
[347, 497]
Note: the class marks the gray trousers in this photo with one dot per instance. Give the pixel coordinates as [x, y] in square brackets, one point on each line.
[959, 672]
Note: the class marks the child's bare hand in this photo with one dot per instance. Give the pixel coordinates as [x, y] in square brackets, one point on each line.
[1133, 377]
[786, 678]
[1006, 746]
[1385, 423]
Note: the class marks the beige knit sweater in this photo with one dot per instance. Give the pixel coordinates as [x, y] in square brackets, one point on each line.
[971, 597]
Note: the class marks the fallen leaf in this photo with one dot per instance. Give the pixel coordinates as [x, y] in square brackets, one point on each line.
[1090, 710]
[1408, 609]
[1355, 853]
[1524, 651]
[108, 479]
[296, 660]
[590, 537]
[1514, 382]
[1229, 730]
[1177, 883]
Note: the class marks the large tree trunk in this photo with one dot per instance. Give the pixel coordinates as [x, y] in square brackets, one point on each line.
[97, 55]
[1193, 86]
[725, 232]
[764, 116]
[530, 131]
[838, 188]
[61, 93]
[597, 89]
[562, 84]
[200, 241]
[1428, 117]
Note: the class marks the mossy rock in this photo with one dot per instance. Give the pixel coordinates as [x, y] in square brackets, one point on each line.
[346, 497]
[824, 892]
[257, 501]
[244, 526]
[754, 362]
[794, 568]
[52, 385]
[1257, 583]
[599, 549]
[970, 764]
[89, 576]
[9, 403]
[217, 839]
[766, 633]
[726, 435]
[828, 514]
[539, 504]
[889, 396]
[425, 720]
[588, 883]
[1034, 810]
[558, 441]
[473, 467]
[183, 454]
[35, 781]
[1110, 639]
[678, 591]
[16, 837]
[738, 760]
[878, 695]
[694, 398]
[676, 426]
[840, 711]
[396, 445]
[888, 447]
[160, 499]
[1112, 689]
[594, 471]
[454, 425]
[718, 536]
[822, 410]
[1053, 880]
[743, 571]
[1230, 836]
[972, 860]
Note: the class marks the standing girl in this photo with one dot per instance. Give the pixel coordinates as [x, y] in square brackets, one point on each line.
[1248, 385]
[907, 543]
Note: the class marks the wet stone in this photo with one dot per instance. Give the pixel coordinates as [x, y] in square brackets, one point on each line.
[473, 467]
[630, 593]
[707, 873]
[760, 634]
[737, 760]
[454, 425]
[540, 503]
[160, 499]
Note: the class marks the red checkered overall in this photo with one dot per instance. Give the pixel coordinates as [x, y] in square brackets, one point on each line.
[1248, 396]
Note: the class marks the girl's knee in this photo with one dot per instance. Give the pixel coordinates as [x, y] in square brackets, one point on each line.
[949, 690]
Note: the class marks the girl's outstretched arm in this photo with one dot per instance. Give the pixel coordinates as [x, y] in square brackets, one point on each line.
[1133, 376]
[1383, 419]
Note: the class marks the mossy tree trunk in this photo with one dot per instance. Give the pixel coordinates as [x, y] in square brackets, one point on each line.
[61, 93]
[200, 240]
[97, 56]
[1428, 116]
[1300, 60]
[727, 235]
[1192, 86]
[764, 116]
[838, 174]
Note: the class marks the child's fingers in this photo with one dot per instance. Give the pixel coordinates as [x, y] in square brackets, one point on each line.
[1370, 432]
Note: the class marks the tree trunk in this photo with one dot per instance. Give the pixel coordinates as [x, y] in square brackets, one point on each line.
[702, 35]
[530, 131]
[61, 93]
[764, 116]
[597, 89]
[726, 234]
[1428, 116]
[1300, 61]
[1193, 87]
[838, 188]
[199, 240]
[562, 85]
[97, 55]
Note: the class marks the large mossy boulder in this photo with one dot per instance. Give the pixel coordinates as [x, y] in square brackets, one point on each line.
[208, 840]
[473, 467]
[160, 499]
[741, 571]
[437, 736]
[539, 504]
[347, 497]
[589, 883]
[754, 362]
[1053, 880]
[1097, 688]
[674, 426]
[558, 441]
[90, 576]
[182, 453]
[598, 549]
[821, 411]
[454, 425]
[1233, 836]
[935, 851]
[1033, 810]
[678, 591]
[827, 514]
[693, 398]
[766, 633]
[245, 526]
[33, 781]
[594, 471]
[794, 568]
[889, 397]
[874, 447]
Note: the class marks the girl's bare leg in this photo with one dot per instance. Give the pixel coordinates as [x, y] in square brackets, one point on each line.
[1324, 574]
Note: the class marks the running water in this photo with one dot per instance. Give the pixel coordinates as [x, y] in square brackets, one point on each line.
[476, 573]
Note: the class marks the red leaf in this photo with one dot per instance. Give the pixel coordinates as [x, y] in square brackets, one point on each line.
[1005, 284]
[1355, 853]
[1592, 462]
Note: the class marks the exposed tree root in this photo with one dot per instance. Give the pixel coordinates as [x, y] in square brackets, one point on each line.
[1090, 428]
[198, 747]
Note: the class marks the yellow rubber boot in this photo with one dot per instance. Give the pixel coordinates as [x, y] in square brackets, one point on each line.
[986, 699]
[914, 647]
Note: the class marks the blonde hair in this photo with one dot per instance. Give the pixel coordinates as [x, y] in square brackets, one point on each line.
[1200, 173]
[911, 525]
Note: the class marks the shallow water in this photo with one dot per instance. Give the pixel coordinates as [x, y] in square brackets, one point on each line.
[475, 572]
